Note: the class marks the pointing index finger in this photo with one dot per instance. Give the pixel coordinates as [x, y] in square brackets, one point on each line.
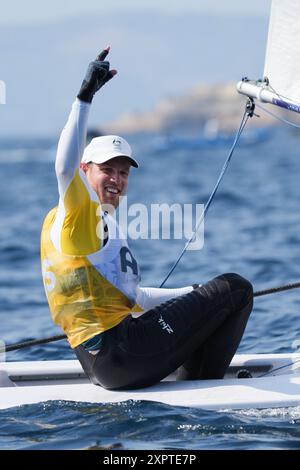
[103, 54]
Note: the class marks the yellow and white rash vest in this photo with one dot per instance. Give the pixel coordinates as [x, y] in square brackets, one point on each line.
[90, 288]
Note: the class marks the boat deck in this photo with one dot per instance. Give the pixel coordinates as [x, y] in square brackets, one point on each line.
[252, 381]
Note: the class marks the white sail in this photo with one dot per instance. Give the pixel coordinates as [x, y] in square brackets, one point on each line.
[282, 64]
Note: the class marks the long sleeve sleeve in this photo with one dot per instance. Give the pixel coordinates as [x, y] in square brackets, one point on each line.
[71, 145]
[150, 297]
[74, 231]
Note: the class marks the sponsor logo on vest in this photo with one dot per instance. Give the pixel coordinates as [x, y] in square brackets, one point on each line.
[128, 263]
[48, 276]
[165, 325]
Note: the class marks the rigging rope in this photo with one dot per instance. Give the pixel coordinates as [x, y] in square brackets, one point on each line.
[249, 111]
[35, 342]
[273, 290]
[289, 364]
[279, 118]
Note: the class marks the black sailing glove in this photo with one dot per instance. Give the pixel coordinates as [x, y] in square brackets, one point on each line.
[97, 75]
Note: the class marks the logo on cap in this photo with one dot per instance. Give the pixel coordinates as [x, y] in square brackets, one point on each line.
[117, 142]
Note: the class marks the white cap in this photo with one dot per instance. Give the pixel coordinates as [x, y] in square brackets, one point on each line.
[101, 149]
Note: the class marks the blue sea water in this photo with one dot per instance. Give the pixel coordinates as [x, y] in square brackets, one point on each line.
[252, 227]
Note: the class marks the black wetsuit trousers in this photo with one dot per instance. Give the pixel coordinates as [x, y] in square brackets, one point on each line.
[196, 334]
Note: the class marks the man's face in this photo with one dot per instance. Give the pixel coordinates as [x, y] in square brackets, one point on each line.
[109, 180]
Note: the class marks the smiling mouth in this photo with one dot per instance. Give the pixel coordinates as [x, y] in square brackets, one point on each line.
[112, 190]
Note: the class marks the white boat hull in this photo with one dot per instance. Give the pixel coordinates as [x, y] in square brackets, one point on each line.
[34, 382]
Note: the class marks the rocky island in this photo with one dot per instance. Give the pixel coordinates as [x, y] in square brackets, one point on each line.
[208, 108]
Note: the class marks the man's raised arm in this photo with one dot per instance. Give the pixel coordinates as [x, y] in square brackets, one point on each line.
[73, 137]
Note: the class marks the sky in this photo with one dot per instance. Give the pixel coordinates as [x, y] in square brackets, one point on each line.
[17, 11]
[45, 47]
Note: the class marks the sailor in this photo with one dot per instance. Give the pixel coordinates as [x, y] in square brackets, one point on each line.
[91, 276]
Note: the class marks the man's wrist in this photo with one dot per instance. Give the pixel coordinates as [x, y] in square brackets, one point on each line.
[85, 96]
[83, 104]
